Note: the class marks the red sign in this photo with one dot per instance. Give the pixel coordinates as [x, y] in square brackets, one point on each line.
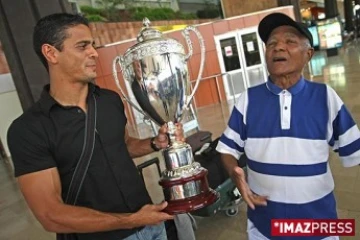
[313, 227]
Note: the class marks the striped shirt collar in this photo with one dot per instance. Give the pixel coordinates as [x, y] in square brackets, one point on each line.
[295, 89]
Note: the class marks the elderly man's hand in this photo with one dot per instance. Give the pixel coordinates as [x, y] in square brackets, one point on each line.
[249, 197]
[162, 139]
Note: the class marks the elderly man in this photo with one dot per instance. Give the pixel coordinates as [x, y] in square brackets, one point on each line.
[285, 126]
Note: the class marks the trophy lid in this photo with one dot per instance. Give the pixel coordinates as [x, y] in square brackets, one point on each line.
[148, 32]
[150, 43]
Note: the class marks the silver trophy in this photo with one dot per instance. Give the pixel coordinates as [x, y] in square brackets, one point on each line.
[156, 69]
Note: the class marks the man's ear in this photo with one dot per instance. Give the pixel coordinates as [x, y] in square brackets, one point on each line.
[50, 53]
[310, 53]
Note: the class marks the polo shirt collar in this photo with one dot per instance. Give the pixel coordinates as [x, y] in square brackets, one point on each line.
[47, 101]
[295, 89]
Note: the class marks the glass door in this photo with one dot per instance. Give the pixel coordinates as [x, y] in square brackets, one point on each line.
[253, 55]
[241, 57]
[228, 51]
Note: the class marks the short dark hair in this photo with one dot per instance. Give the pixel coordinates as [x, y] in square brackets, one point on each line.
[51, 30]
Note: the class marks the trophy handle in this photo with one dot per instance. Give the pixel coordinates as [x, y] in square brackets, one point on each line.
[119, 60]
[187, 57]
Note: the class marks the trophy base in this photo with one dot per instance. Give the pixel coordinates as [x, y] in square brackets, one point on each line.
[191, 204]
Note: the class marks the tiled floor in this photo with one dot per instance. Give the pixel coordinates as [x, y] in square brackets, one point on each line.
[341, 72]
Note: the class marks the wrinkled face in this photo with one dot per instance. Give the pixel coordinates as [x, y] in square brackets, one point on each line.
[77, 59]
[287, 51]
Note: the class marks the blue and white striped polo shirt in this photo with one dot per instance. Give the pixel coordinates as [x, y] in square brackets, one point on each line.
[286, 135]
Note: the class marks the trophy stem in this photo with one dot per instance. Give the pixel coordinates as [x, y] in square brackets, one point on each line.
[171, 131]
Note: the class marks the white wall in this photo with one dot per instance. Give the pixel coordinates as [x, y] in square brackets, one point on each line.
[10, 107]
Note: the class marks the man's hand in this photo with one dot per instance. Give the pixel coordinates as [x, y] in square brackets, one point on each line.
[162, 140]
[151, 215]
[238, 176]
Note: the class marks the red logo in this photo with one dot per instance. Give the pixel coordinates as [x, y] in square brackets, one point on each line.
[313, 227]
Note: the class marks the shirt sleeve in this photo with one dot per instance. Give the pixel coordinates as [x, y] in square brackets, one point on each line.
[29, 148]
[232, 141]
[118, 102]
[343, 132]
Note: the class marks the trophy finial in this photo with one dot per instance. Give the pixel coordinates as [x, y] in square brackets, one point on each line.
[146, 22]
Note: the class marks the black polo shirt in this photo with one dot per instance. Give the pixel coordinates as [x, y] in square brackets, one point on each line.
[50, 135]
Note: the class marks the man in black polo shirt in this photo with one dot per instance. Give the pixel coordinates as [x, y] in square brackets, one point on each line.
[47, 140]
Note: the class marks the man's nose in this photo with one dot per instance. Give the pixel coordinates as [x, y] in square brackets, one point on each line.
[93, 52]
[280, 46]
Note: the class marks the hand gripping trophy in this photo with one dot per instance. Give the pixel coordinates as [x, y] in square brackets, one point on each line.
[156, 68]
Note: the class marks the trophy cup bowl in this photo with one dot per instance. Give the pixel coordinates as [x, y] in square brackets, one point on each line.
[156, 69]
